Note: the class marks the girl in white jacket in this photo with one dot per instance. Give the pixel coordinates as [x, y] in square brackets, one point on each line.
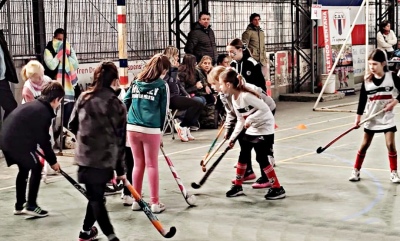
[254, 115]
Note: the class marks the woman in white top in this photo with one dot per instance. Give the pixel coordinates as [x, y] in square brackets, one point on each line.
[386, 38]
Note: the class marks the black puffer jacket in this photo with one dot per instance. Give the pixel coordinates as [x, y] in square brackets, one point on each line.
[250, 69]
[176, 88]
[11, 73]
[201, 41]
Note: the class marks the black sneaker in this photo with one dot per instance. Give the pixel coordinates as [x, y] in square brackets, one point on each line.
[83, 236]
[35, 211]
[235, 191]
[275, 193]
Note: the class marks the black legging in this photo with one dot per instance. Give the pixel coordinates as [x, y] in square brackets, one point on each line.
[95, 181]
[129, 168]
[34, 182]
[263, 149]
[192, 107]
[96, 209]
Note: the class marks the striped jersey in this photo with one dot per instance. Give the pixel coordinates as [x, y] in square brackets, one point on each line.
[253, 110]
[374, 96]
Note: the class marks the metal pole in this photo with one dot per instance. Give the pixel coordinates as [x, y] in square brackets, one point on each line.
[177, 25]
[63, 72]
[169, 23]
[122, 42]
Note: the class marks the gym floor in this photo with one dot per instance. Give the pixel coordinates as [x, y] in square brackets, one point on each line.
[321, 203]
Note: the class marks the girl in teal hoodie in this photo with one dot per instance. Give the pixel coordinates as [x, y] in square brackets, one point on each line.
[147, 104]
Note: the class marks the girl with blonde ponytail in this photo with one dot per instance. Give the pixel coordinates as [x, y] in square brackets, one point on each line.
[33, 75]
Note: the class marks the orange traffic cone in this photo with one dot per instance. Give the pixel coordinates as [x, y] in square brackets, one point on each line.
[301, 127]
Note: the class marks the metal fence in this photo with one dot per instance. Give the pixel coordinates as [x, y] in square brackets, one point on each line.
[92, 25]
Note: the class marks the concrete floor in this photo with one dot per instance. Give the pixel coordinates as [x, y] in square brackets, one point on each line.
[321, 204]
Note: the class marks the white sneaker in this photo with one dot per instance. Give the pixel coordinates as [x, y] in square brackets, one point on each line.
[355, 176]
[189, 135]
[136, 206]
[182, 132]
[157, 208]
[394, 177]
[127, 200]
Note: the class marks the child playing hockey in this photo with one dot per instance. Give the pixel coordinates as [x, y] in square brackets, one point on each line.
[378, 91]
[231, 119]
[99, 122]
[147, 104]
[24, 130]
[254, 115]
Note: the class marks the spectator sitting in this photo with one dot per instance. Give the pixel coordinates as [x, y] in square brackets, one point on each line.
[187, 76]
[202, 70]
[181, 100]
[223, 60]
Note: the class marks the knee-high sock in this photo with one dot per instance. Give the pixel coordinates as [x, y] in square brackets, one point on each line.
[240, 171]
[273, 179]
[393, 161]
[359, 160]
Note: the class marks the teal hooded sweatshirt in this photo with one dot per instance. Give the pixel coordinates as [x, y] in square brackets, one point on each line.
[147, 105]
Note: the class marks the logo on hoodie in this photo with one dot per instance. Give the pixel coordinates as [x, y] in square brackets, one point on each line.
[150, 95]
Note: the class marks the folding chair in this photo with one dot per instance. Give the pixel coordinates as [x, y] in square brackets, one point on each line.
[170, 123]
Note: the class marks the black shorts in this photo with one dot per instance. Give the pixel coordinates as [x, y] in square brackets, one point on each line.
[391, 129]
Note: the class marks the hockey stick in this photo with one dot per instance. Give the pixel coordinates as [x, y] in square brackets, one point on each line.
[145, 208]
[203, 167]
[74, 183]
[189, 199]
[211, 147]
[214, 165]
[321, 149]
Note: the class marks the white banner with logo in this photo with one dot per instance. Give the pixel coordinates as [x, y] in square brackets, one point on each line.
[339, 25]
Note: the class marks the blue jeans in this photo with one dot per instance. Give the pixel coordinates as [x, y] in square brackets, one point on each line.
[200, 99]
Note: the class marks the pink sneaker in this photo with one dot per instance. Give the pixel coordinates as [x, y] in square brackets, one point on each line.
[249, 177]
[261, 183]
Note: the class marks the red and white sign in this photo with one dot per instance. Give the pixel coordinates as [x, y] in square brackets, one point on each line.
[316, 11]
[339, 23]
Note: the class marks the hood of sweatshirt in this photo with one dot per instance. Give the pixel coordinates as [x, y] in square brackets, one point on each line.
[145, 87]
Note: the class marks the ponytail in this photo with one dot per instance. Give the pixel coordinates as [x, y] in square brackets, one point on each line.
[23, 73]
[237, 80]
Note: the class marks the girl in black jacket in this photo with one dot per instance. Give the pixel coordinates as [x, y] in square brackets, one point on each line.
[99, 123]
[244, 64]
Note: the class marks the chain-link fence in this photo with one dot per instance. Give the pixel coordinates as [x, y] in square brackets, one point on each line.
[93, 34]
[92, 27]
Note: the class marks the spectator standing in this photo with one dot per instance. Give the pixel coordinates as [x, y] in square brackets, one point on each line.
[244, 64]
[53, 57]
[7, 74]
[254, 38]
[201, 39]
